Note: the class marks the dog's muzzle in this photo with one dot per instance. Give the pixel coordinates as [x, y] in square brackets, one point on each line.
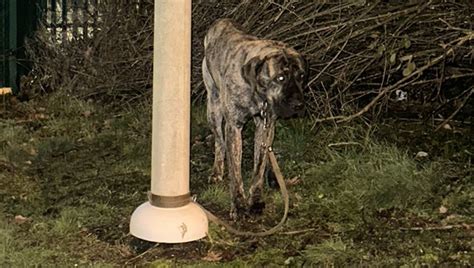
[289, 109]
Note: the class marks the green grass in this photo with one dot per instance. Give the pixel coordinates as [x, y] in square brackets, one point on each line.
[216, 194]
[77, 169]
[330, 252]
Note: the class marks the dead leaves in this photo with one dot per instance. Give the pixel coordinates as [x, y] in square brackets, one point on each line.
[19, 219]
[443, 210]
[212, 256]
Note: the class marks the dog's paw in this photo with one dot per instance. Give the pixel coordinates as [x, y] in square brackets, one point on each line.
[237, 213]
[234, 214]
[238, 208]
[257, 207]
[256, 204]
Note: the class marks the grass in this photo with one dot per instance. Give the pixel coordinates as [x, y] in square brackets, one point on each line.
[76, 170]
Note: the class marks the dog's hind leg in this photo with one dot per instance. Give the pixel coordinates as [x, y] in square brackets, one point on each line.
[214, 118]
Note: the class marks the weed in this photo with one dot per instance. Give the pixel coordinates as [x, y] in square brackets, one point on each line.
[216, 194]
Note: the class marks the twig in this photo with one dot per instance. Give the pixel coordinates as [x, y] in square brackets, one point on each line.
[457, 110]
[142, 254]
[283, 8]
[330, 62]
[439, 228]
[298, 231]
[344, 144]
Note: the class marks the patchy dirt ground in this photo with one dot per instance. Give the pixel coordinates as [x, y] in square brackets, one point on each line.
[72, 172]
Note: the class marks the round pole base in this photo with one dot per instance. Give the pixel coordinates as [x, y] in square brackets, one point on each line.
[169, 225]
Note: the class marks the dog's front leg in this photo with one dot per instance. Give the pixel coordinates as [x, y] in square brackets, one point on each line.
[233, 137]
[263, 139]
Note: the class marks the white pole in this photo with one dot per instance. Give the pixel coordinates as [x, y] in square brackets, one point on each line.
[171, 97]
[169, 216]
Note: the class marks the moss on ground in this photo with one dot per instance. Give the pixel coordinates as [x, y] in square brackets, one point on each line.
[72, 171]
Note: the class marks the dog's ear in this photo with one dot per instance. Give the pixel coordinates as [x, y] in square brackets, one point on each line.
[251, 70]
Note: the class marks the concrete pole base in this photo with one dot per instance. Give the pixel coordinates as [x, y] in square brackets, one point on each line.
[169, 225]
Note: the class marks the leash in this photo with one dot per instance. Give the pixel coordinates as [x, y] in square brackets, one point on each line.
[284, 192]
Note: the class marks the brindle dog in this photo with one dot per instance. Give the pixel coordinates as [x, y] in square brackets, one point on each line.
[247, 77]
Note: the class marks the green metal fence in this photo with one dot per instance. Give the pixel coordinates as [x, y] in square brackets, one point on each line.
[8, 42]
[65, 20]
[18, 20]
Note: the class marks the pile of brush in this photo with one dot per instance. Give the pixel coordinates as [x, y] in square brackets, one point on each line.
[366, 57]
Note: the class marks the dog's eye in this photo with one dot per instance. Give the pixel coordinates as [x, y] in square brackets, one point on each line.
[302, 76]
[281, 78]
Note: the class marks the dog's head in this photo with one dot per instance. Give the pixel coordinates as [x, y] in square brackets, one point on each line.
[280, 78]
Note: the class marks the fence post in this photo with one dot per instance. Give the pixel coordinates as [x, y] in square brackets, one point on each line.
[3, 44]
[53, 20]
[64, 19]
[85, 17]
[43, 11]
[12, 44]
[75, 21]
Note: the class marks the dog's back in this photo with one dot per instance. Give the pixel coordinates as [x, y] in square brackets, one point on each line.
[224, 36]
[224, 29]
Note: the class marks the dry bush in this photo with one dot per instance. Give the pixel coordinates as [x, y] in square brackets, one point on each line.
[361, 53]
[115, 62]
